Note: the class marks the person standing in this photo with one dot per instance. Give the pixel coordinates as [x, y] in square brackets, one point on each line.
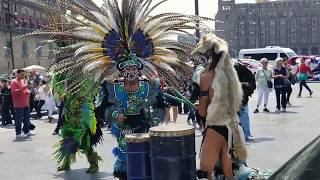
[219, 103]
[60, 106]
[20, 96]
[41, 96]
[303, 72]
[280, 74]
[291, 79]
[174, 104]
[248, 85]
[50, 103]
[6, 103]
[191, 113]
[263, 77]
[33, 91]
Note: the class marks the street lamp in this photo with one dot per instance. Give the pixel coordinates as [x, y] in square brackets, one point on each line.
[9, 3]
[196, 3]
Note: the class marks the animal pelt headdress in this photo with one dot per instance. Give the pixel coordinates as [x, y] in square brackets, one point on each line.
[227, 99]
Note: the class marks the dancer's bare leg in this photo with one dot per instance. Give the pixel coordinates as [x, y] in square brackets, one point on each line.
[210, 151]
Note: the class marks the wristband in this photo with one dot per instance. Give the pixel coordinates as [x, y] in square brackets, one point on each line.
[115, 115]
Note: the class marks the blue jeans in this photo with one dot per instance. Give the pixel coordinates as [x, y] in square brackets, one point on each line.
[244, 119]
[22, 115]
[192, 115]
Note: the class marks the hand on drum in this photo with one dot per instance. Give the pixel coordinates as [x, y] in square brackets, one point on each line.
[121, 118]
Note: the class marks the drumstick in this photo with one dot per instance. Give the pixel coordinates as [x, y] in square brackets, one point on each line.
[184, 100]
[187, 101]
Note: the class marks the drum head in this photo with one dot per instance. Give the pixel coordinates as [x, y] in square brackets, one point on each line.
[171, 130]
[137, 138]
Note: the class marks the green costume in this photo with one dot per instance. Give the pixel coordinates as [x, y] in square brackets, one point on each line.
[119, 39]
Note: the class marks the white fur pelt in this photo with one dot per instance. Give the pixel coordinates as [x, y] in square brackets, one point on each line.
[227, 98]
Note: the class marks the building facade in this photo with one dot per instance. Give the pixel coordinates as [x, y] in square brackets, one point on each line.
[294, 24]
[21, 18]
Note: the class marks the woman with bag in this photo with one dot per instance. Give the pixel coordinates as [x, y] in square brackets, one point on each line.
[264, 84]
[303, 72]
[280, 76]
[291, 80]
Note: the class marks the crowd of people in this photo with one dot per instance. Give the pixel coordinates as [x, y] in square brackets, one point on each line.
[284, 77]
[22, 96]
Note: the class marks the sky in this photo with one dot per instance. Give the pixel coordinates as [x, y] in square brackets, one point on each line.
[207, 8]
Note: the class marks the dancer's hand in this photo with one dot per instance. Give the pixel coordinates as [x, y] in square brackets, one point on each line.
[121, 118]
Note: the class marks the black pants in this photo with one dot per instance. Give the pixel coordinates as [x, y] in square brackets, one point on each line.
[33, 105]
[6, 115]
[39, 106]
[61, 118]
[303, 83]
[289, 91]
[281, 97]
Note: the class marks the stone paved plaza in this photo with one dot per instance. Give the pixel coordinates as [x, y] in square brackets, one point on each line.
[277, 138]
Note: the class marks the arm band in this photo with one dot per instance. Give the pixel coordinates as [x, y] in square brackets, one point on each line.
[204, 93]
[115, 115]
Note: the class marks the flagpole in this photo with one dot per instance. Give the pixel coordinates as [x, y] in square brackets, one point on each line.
[196, 3]
[259, 24]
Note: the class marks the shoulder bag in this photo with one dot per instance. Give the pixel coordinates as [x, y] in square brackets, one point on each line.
[269, 82]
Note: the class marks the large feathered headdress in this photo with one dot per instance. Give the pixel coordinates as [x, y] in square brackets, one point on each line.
[96, 41]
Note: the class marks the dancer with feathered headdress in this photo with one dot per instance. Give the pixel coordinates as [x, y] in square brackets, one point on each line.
[119, 39]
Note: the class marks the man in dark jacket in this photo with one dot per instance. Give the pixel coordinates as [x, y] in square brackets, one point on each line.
[6, 103]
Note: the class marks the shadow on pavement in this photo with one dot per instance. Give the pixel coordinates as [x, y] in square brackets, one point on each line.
[75, 174]
[22, 139]
[294, 106]
[287, 112]
[259, 140]
[308, 97]
[8, 127]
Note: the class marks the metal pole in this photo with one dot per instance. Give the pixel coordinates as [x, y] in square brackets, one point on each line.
[196, 3]
[10, 34]
[259, 25]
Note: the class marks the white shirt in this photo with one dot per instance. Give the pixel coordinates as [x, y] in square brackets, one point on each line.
[42, 93]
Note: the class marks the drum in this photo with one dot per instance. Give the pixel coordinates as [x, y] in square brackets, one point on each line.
[172, 151]
[138, 156]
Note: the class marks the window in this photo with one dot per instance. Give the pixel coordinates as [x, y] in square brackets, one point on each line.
[314, 51]
[50, 49]
[24, 49]
[39, 50]
[269, 56]
[226, 8]
[272, 23]
[304, 51]
[283, 55]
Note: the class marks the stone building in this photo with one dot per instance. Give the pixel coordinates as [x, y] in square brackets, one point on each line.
[22, 18]
[286, 23]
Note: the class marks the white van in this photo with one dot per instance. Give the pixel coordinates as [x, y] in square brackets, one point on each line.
[270, 52]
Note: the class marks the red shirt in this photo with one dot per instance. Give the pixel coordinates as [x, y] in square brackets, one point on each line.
[20, 95]
[303, 68]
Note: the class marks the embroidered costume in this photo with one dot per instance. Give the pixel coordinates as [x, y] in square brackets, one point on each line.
[125, 43]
